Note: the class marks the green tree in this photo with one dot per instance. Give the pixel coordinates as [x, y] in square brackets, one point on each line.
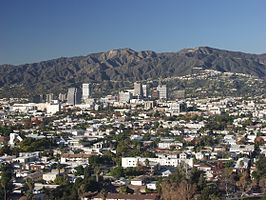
[261, 167]
[79, 170]
[6, 185]
[5, 130]
[61, 180]
[29, 187]
[117, 172]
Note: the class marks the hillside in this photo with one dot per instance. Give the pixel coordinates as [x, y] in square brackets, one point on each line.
[116, 68]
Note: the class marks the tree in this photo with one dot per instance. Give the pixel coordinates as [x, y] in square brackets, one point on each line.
[197, 177]
[97, 171]
[244, 182]
[178, 191]
[6, 181]
[124, 190]
[5, 130]
[209, 192]
[262, 184]
[79, 170]
[186, 190]
[81, 190]
[226, 181]
[29, 186]
[183, 184]
[117, 172]
[147, 162]
[261, 167]
[61, 180]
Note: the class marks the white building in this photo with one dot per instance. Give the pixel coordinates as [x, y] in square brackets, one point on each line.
[148, 105]
[162, 90]
[138, 89]
[50, 176]
[53, 107]
[145, 90]
[177, 107]
[23, 108]
[168, 145]
[151, 185]
[86, 90]
[241, 149]
[13, 137]
[166, 173]
[137, 182]
[125, 97]
[135, 161]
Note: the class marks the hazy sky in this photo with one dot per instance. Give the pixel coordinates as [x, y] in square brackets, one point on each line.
[32, 30]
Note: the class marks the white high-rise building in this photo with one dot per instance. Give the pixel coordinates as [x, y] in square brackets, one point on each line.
[162, 90]
[138, 89]
[86, 90]
[145, 90]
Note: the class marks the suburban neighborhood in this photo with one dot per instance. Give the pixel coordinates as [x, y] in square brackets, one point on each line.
[137, 144]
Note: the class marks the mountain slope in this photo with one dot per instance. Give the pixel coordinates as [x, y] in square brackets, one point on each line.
[121, 65]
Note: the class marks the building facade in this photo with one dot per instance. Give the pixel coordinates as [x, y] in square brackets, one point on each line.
[125, 97]
[73, 96]
[162, 90]
[138, 91]
[86, 91]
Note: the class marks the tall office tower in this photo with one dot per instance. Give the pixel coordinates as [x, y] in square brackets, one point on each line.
[145, 90]
[73, 96]
[49, 97]
[162, 90]
[86, 90]
[138, 89]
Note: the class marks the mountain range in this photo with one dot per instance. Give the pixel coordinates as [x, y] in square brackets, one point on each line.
[118, 67]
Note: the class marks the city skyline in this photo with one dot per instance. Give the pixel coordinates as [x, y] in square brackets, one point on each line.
[34, 32]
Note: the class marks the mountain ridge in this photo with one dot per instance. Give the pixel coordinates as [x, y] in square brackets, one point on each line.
[124, 65]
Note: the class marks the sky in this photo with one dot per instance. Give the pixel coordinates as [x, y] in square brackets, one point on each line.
[32, 31]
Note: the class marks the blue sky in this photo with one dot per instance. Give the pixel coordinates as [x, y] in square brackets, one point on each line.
[32, 31]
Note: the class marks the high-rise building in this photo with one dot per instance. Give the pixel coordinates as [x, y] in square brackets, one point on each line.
[162, 90]
[145, 90]
[138, 92]
[86, 90]
[73, 96]
[49, 97]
